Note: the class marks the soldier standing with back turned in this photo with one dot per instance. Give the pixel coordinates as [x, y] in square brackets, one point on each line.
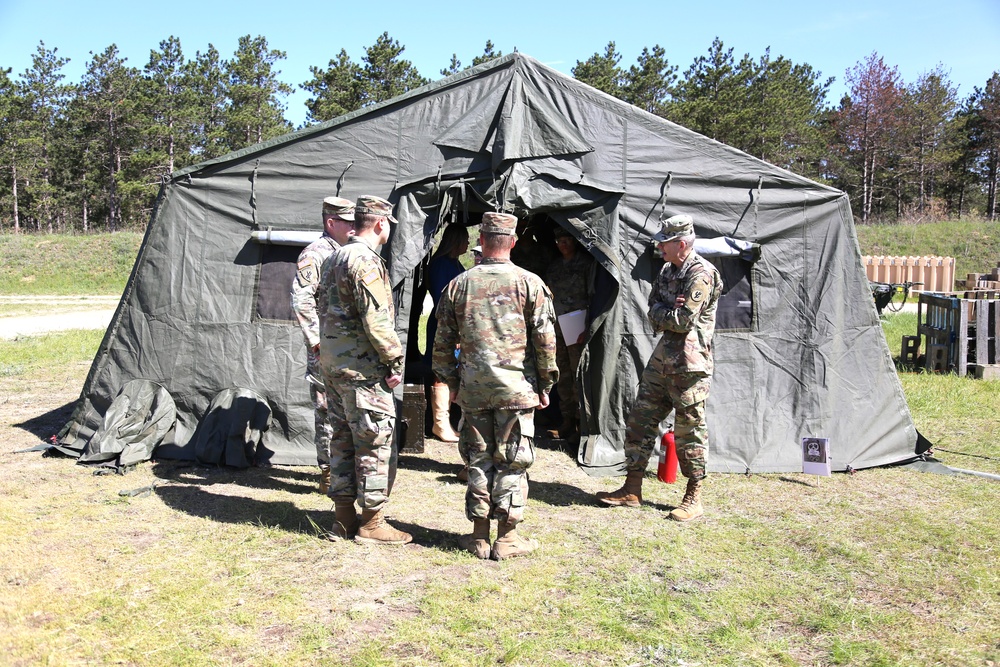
[682, 306]
[362, 362]
[502, 317]
[309, 304]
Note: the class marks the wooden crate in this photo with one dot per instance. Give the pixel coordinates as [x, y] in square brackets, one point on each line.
[411, 438]
[964, 328]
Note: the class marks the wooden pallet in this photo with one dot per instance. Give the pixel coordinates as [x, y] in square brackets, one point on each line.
[959, 331]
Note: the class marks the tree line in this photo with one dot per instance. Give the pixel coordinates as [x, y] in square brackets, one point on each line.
[91, 155]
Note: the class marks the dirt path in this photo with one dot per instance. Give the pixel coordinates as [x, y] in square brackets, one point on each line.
[31, 315]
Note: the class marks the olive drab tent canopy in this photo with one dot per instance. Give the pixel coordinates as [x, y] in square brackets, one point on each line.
[799, 350]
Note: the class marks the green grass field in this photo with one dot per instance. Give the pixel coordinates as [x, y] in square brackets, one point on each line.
[65, 264]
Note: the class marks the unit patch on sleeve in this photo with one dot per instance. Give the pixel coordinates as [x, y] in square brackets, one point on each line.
[699, 289]
[307, 272]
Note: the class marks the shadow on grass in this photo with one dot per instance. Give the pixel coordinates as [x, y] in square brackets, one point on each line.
[803, 482]
[299, 482]
[425, 464]
[196, 501]
[429, 537]
[551, 493]
[49, 424]
[190, 491]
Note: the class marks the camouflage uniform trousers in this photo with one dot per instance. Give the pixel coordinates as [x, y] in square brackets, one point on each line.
[499, 447]
[317, 391]
[362, 420]
[658, 394]
[567, 360]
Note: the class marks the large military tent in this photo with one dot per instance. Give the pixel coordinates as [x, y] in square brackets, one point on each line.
[799, 350]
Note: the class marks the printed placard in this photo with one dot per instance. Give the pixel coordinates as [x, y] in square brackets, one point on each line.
[816, 456]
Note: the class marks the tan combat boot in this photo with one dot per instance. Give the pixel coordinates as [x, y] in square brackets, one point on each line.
[345, 520]
[509, 544]
[375, 530]
[690, 508]
[630, 495]
[440, 404]
[324, 479]
[478, 543]
[567, 429]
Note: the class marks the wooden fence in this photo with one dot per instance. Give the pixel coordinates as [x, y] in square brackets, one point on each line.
[937, 274]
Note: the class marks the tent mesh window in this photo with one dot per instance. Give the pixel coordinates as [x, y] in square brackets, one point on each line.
[278, 264]
[735, 311]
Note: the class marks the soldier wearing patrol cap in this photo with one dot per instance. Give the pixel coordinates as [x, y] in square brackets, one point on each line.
[362, 362]
[502, 318]
[682, 306]
[309, 305]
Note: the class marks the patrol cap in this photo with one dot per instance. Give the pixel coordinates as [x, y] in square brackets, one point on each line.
[499, 223]
[374, 206]
[339, 207]
[560, 232]
[674, 227]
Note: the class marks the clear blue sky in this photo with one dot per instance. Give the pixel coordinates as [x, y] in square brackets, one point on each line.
[913, 35]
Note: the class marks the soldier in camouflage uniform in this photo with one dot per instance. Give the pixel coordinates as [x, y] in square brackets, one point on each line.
[309, 305]
[682, 305]
[571, 279]
[502, 317]
[362, 361]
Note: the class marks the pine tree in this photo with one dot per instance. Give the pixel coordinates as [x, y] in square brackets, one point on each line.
[602, 71]
[45, 97]
[960, 186]
[454, 67]
[985, 139]
[783, 110]
[206, 79]
[169, 104]
[709, 98]
[110, 101]
[649, 84]
[11, 139]
[256, 111]
[489, 53]
[384, 74]
[929, 132]
[867, 125]
[335, 90]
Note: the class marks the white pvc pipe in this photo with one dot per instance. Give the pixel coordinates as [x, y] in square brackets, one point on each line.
[720, 247]
[284, 237]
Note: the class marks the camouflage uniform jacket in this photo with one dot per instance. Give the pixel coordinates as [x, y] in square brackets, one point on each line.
[306, 292]
[571, 282]
[686, 344]
[502, 317]
[359, 332]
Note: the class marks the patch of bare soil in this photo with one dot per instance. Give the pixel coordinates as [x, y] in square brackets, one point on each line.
[32, 315]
